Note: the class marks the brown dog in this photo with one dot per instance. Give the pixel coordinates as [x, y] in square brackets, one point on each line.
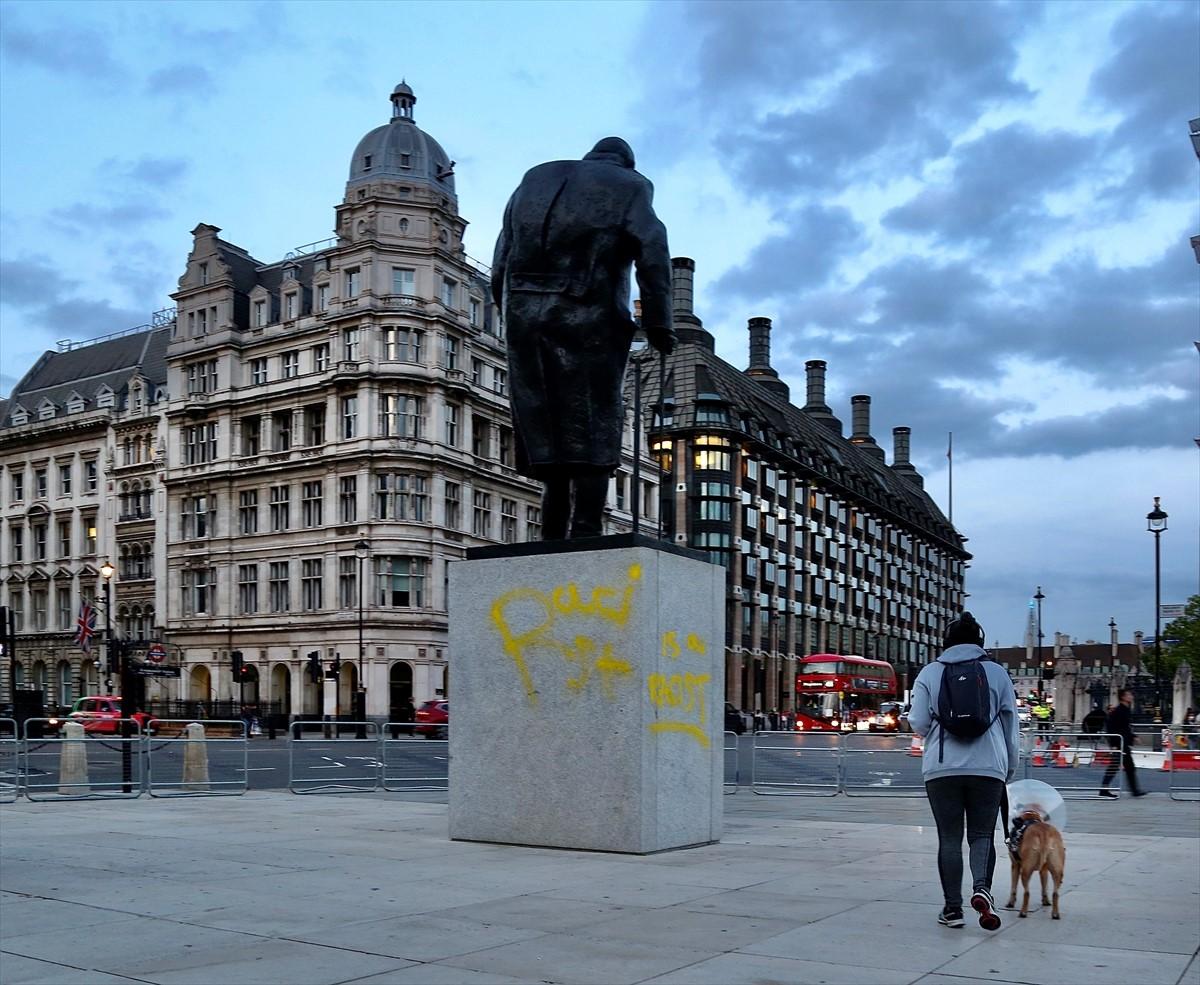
[1036, 845]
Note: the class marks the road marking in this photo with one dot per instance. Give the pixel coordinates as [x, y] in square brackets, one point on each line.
[335, 766]
[255, 769]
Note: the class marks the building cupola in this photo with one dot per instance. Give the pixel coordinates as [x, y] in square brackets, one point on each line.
[403, 101]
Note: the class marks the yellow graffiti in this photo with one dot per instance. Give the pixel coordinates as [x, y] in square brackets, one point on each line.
[670, 645]
[611, 604]
[696, 645]
[684, 694]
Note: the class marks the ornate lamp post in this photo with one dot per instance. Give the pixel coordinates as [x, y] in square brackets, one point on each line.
[362, 550]
[106, 572]
[1041, 667]
[122, 667]
[1156, 523]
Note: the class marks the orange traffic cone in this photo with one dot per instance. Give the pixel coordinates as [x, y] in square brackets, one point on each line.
[1037, 759]
[915, 748]
[1060, 758]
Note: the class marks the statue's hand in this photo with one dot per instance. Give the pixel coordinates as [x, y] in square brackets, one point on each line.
[663, 340]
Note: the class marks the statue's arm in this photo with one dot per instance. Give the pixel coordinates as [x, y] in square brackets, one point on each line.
[652, 258]
[500, 258]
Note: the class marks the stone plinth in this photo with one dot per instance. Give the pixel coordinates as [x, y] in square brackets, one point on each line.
[587, 696]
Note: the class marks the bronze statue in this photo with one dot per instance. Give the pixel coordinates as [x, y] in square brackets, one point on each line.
[560, 277]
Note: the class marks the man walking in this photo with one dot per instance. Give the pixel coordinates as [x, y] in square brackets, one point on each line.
[965, 707]
[1120, 723]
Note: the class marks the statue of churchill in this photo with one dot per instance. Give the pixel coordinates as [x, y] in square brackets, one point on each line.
[560, 277]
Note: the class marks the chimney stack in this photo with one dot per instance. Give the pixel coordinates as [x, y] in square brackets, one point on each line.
[901, 465]
[815, 405]
[760, 369]
[860, 410]
[688, 328]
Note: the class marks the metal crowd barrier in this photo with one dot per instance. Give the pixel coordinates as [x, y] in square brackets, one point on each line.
[796, 764]
[1074, 763]
[731, 765]
[10, 761]
[331, 761]
[878, 764]
[179, 766]
[89, 768]
[1183, 761]
[413, 760]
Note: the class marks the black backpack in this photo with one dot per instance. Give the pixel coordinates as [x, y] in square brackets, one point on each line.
[964, 704]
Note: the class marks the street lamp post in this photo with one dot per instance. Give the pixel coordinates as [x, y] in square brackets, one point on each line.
[1156, 523]
[106, 572]
[1041, 667]
[362, 551]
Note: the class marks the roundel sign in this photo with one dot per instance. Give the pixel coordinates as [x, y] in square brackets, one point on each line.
[157, 653]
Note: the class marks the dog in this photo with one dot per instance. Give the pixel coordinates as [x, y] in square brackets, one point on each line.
[1036, 845]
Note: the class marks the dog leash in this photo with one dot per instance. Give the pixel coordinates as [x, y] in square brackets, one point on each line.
[1004, 811]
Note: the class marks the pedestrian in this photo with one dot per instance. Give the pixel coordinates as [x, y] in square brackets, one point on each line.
[1119, 727]
[965, 707]
[773, 719]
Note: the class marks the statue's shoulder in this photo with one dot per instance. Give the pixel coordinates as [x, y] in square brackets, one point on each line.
[547, 172]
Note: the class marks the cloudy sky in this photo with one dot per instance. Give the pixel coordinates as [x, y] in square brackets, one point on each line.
[977, 213]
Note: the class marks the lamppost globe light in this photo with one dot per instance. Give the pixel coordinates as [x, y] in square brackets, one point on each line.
[362, 549]
[107, 570]
[1156, 523]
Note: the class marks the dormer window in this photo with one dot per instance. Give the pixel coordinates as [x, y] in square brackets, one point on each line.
[105, 397]
[260, 313]
[367, 163]
[45, 410]
[405, 160]
[289, 306]
[204, 273]
[75, 404]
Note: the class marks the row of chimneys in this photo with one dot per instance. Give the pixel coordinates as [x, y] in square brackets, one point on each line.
[690, 328]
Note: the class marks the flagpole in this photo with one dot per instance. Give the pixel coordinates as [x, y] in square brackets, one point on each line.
[950, 474]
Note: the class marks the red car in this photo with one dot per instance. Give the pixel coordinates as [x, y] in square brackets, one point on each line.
[433, 719]
[102, 715]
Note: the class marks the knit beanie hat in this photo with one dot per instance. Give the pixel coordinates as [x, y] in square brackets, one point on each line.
[964, 629]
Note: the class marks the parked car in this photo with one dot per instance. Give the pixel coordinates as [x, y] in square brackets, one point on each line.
[102, 715]
[433, 719]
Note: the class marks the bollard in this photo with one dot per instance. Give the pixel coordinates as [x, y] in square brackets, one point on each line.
[73, 762]
[195, 759]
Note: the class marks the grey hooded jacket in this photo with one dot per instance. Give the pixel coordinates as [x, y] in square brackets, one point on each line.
[996, 753]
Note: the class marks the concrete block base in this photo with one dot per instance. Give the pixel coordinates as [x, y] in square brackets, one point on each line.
[588, 696]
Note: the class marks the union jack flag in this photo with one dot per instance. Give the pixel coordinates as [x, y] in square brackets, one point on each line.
[85, 626]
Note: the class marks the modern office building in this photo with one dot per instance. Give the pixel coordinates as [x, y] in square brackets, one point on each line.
[827, 546]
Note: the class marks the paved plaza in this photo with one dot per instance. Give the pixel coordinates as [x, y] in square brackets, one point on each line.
[273, 887]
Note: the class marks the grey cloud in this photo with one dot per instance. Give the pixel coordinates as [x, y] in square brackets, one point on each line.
[74, 50]
[155, 172]
[879, 84]
[84, 217]
[788, 261]
[27, 282]
[1152, 80]
[997, 190]
[186, 77]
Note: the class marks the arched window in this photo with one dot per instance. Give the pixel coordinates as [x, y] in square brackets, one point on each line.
[148, 617]
[19, 676]
[39, 679]
[64, 683]
[124, 624]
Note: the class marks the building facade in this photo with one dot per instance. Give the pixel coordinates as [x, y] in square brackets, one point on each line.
[81, 460]
[827, 547]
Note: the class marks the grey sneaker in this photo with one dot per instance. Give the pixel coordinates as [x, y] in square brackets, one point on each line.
[951, 916]
[983, 904]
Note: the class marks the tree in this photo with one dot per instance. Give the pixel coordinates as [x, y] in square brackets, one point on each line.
[1185, 629]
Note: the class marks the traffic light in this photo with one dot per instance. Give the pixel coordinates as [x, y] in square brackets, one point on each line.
[236, 665]
[337, 664]
[314, 666]
[112, 655]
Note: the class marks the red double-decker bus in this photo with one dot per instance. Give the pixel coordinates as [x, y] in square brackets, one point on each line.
[843, 693]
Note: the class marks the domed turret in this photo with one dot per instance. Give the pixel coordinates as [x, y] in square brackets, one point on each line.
[400, 150]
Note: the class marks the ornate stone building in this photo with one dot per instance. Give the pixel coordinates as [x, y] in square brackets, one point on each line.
[81, 459]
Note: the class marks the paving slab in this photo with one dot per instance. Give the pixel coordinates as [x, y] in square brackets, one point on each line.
[241, 891]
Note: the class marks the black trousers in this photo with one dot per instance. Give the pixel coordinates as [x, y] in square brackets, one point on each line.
[975, 799]
[1130, 771]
